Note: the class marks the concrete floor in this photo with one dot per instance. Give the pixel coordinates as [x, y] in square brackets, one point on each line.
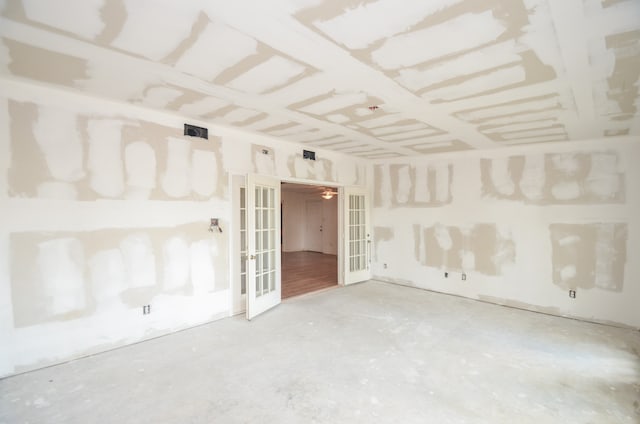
[369, 353]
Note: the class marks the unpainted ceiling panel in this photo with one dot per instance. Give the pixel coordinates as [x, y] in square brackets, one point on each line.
[370, 78]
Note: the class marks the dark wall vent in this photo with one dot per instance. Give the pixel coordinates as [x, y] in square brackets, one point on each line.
[308, 154]
[193, 131]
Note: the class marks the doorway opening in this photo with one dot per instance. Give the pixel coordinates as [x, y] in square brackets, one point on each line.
[262, 228]
[309, 238]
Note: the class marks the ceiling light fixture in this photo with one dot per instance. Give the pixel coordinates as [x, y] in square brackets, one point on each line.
[327, 195]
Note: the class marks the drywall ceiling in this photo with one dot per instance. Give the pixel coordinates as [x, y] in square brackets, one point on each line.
[446, 75]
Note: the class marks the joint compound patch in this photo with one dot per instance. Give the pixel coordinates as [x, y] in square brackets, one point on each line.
[412, 186]
[589, 255]
[64, 276]
[481, 247]
[64, 154]
[558, 178]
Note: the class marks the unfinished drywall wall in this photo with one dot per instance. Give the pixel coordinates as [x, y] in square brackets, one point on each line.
[589, 255]
[71, 275]
[412, 186]
[555, 178]
[105, 209]
[60, 152]
[484, 248]
[524, 228]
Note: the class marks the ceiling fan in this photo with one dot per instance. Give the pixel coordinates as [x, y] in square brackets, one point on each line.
[328, 193]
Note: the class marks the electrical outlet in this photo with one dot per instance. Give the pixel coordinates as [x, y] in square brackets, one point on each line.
[446, 274]
[384, 266]
[146, 309]
[572, 294]
[464, 276]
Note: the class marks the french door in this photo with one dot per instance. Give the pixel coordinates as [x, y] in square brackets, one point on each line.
[263, 234]
[357, 236]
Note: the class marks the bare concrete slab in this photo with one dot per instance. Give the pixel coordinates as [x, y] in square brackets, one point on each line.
[369, 353]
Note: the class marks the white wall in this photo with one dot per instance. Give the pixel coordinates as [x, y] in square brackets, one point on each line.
[330, 226]
[294, 211]
[105, 208]
[525, 225]
[293, 220]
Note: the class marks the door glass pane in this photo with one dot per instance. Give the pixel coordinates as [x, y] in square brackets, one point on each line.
[265, 235]
[265, 239]
[272, 259]
[243, 241]
[265, 283]
[258, 275]
[258, 240]
[357, 233]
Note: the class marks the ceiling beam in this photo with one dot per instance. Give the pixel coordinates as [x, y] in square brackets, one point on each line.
[573, 34]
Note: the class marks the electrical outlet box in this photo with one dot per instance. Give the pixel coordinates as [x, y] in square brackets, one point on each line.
[215, 225]
[572, 294]
[464, 276]
[146, 309]
[446, 274]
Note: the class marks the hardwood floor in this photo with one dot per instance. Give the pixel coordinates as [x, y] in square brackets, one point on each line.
[304, 272]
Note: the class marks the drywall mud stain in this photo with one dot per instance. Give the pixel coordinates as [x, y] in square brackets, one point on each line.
[558, 178]
[59, 153]
[25, 179]
[623, 88]
[320, 169]
[412, 186]
[64, 275]
[589, 255]
[44, 65]
[484, 248]
[262, 158]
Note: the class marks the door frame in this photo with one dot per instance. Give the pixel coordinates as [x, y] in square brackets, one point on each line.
[238, 300]
[340, 223]
[237, 180]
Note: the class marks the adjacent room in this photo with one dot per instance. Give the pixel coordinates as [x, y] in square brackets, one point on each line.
[309, 238]
[319, 211]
